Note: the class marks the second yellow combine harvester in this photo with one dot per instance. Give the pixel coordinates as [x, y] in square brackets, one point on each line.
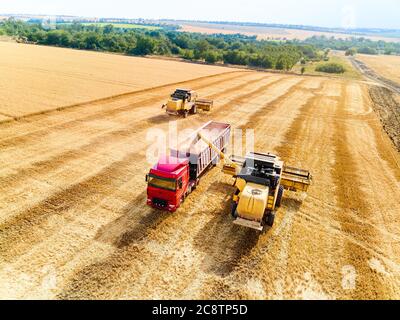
[185, 101]
[261, 179]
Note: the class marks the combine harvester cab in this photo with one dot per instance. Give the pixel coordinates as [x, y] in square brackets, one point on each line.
[178, 174]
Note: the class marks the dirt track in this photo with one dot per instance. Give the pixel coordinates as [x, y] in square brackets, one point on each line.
[74, 224]
[374, 76]
[387, 66]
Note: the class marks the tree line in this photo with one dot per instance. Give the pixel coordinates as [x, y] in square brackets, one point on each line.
[355, 45]
[229, 49]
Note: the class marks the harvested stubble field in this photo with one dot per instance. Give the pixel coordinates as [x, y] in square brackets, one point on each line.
[384, 90]
[269, 32]
[74, 223]
[36, 79]
[384, 65]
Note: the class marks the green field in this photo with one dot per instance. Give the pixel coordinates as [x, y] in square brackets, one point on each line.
[350, 72]
[121, 25]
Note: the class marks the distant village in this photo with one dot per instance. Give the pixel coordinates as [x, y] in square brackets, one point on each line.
[72, 19]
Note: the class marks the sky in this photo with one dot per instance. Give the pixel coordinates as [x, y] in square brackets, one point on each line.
[324, 13]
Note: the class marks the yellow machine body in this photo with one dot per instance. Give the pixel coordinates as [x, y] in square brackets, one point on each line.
[186, 101]
[174, 106]
[253, 202]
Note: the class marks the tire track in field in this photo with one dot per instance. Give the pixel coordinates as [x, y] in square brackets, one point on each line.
[125, 95]
[246, 97]
[84, 284]
[80, 202]
[352, 199]
[28, 216]
[223, 243]
[347, 188]
[277, 246]
[353, 206]
[22, 225]
[161, 96]
[132, 264]
[249, 265]
[26, 138]
[237, 88]
[289, 284]
[233, 106]
[285, 150]
[53, 162]
[259, 116]
[280, 237]
[160, 119]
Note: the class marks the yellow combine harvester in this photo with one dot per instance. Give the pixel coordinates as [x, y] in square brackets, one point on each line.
[261, 179]
[185, 101]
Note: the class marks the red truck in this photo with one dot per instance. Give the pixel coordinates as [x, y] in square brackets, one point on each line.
[176, 175]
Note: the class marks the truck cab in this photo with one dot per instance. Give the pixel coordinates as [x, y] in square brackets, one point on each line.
[176, 175]
[168, 183]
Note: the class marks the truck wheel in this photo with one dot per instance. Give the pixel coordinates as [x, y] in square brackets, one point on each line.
[279, 196]
[270, 219]
[233, 210]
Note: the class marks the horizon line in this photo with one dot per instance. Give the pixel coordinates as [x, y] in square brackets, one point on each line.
[268, 24]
